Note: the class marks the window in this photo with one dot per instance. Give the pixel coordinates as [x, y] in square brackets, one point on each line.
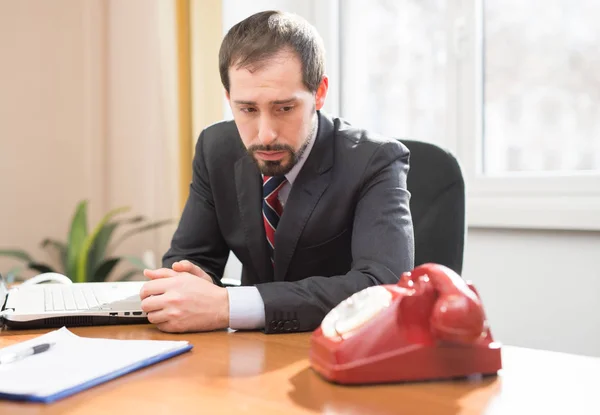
[511, 87]
[541, 86]
[394, 67]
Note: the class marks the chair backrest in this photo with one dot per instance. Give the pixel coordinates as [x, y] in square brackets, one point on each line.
[437, 204]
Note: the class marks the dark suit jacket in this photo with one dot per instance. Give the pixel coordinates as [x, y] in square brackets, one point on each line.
[346, 224]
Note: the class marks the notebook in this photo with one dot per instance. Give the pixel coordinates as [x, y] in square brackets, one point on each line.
[75, 363]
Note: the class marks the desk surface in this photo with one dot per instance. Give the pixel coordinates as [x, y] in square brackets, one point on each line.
[233, 373]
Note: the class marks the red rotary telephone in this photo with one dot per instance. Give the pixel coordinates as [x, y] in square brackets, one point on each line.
[431, 325]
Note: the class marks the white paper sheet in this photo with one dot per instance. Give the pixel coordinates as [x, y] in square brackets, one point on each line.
[74, 361]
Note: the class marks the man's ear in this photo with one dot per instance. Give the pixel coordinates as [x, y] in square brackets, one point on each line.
[227, 96]
[321, 93]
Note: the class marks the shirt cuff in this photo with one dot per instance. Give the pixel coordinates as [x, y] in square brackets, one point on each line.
[246, 308]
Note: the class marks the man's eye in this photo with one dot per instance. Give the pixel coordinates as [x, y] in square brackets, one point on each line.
[248, 110]
[286, 109]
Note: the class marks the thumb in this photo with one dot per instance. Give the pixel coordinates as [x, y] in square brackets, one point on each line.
[154, 274]
[187, 266]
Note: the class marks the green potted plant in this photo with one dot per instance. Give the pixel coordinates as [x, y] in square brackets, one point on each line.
[88, 256]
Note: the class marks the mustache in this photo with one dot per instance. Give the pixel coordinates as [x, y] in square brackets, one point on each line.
[270, 147]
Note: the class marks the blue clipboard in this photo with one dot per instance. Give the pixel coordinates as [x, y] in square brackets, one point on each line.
[89, 383]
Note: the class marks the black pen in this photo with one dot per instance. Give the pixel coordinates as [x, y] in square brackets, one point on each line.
[15, 356]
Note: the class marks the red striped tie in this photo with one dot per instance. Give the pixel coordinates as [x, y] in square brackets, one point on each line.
[272, 209]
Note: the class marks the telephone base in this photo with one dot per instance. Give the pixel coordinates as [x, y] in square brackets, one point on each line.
[406, 364]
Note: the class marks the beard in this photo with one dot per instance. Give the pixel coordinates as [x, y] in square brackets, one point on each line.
[285, 164]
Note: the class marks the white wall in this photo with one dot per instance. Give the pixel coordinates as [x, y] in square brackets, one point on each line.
[81, 117]
[540, 288]
[46, 136]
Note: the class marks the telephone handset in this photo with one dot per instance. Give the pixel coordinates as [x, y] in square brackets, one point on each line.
[431, 325]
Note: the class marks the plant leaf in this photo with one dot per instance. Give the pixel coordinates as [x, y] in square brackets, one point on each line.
[139, 229]
[98, 251]
[39, 267]
[16, 253]
[13, 274]
[134, 219]
[77, 236]
[104, 269]
[60, 247]
[136, 262]
[89, 240]
[128, 275]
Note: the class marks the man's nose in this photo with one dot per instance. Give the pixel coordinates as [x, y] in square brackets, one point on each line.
[267, 132]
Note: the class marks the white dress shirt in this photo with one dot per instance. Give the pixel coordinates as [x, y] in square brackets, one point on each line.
[246, 306]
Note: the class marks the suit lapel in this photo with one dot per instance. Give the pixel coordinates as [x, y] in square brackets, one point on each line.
[309, 186]
[249, 192]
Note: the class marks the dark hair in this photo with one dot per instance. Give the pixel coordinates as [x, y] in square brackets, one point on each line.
[262, 35]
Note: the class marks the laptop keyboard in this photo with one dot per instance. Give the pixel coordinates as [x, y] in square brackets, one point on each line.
[72, 297]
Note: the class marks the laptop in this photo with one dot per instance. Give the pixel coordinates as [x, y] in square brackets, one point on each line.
[78, 304]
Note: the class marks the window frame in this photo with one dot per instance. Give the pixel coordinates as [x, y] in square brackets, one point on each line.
[528, 200]
[519, 200]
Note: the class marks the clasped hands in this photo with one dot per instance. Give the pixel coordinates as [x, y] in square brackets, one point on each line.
[183, 299]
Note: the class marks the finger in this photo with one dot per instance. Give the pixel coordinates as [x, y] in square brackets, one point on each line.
[187, 266]
[159, 273]
[158, 317]
[156, 287]
[153, 303]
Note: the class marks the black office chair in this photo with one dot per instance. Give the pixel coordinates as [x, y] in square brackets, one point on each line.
[437, 204]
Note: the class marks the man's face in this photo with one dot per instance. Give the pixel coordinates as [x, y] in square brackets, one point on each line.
[274, 111]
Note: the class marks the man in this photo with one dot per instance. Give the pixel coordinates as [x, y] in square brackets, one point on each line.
[315, 209]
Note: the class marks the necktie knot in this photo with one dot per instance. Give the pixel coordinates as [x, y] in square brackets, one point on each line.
[272, 209]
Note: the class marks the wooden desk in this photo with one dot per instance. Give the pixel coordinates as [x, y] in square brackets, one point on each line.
[234, 373]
